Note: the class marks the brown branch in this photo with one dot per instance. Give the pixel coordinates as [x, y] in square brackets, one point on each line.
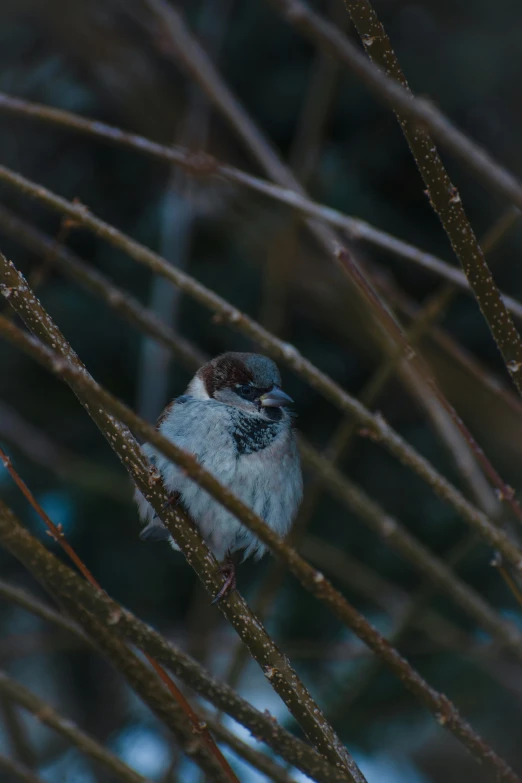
[37, 447]
[396, 536]
[32, 312]
[198, 726]
[260, 724]
[206, 166]
[64, 726]
[64, 361]
[260, 761]
[98, 284]
[375, 425]
[419, 111]
[443, 195]
[19, 771]
[60, 580]
[391, 328]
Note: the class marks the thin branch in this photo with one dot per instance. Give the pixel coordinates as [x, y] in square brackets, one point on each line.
[56, 532]
[373, 424]
[391, 328]
[148, 688]
[419, 111]
[400, 539]
[66, 728]
[36, 446]
[18, 738]
[19, 771]
[260, 724]
[254, 757]
[206, 166]
[61, 580]
[444, 197]
[64, 361]
[98, 284]
[32, 312]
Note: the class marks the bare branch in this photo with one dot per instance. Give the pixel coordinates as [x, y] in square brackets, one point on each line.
[95, 397]
[19, 771]
[64, 361]
[260, 724]
[374, 425]
[64, 726]
[444, 197]
[207, 166]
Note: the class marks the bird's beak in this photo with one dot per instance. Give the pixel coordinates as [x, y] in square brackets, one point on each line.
[275, 398]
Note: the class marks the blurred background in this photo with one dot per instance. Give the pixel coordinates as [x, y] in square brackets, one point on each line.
[113, 62]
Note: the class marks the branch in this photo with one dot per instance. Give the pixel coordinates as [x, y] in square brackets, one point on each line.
[205, 166]
[444, 197]
[99, 285]
[97, 399]
[260, 724]
[373, 424]
[396, 536]
[391, 328]
[419, 111]
[56, 532]
[64, 361]
[19, 771]
[64, 726]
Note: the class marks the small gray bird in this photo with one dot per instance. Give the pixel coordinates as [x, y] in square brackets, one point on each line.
[233, 419]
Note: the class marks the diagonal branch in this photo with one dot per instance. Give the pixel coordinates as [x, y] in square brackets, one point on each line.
[64, 726]
[373, 424]
[260, 724]
[96, 398]
[443, 195]
[198, 726]
[419, 111]
[64, 361]
[205, 166]
[19, 771]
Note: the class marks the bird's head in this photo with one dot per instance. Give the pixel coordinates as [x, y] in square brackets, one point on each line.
[247, 381]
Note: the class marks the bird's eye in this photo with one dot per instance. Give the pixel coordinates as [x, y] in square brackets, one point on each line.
[246, 391]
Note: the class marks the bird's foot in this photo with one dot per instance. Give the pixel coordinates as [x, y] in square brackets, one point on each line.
[228, 571]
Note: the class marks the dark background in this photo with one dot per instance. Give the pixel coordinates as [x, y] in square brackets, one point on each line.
[101, 60]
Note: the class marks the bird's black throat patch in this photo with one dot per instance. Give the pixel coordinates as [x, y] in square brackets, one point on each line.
[253, 434]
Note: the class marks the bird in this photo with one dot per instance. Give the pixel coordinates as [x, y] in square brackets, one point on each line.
[234, 419]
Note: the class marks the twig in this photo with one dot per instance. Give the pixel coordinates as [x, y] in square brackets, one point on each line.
[49, 717]
[36, 446]
[252, 756]
[16, 732]
[312, 580]
[56, 532]
[419, 111]
[59, 579]
[315, 110]
[122, 303]
[443, 195]
[391, 328]
[374, 425]
[64, 361]
[207, 166]
[19, 771]
[397, 537]
[260, 724]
